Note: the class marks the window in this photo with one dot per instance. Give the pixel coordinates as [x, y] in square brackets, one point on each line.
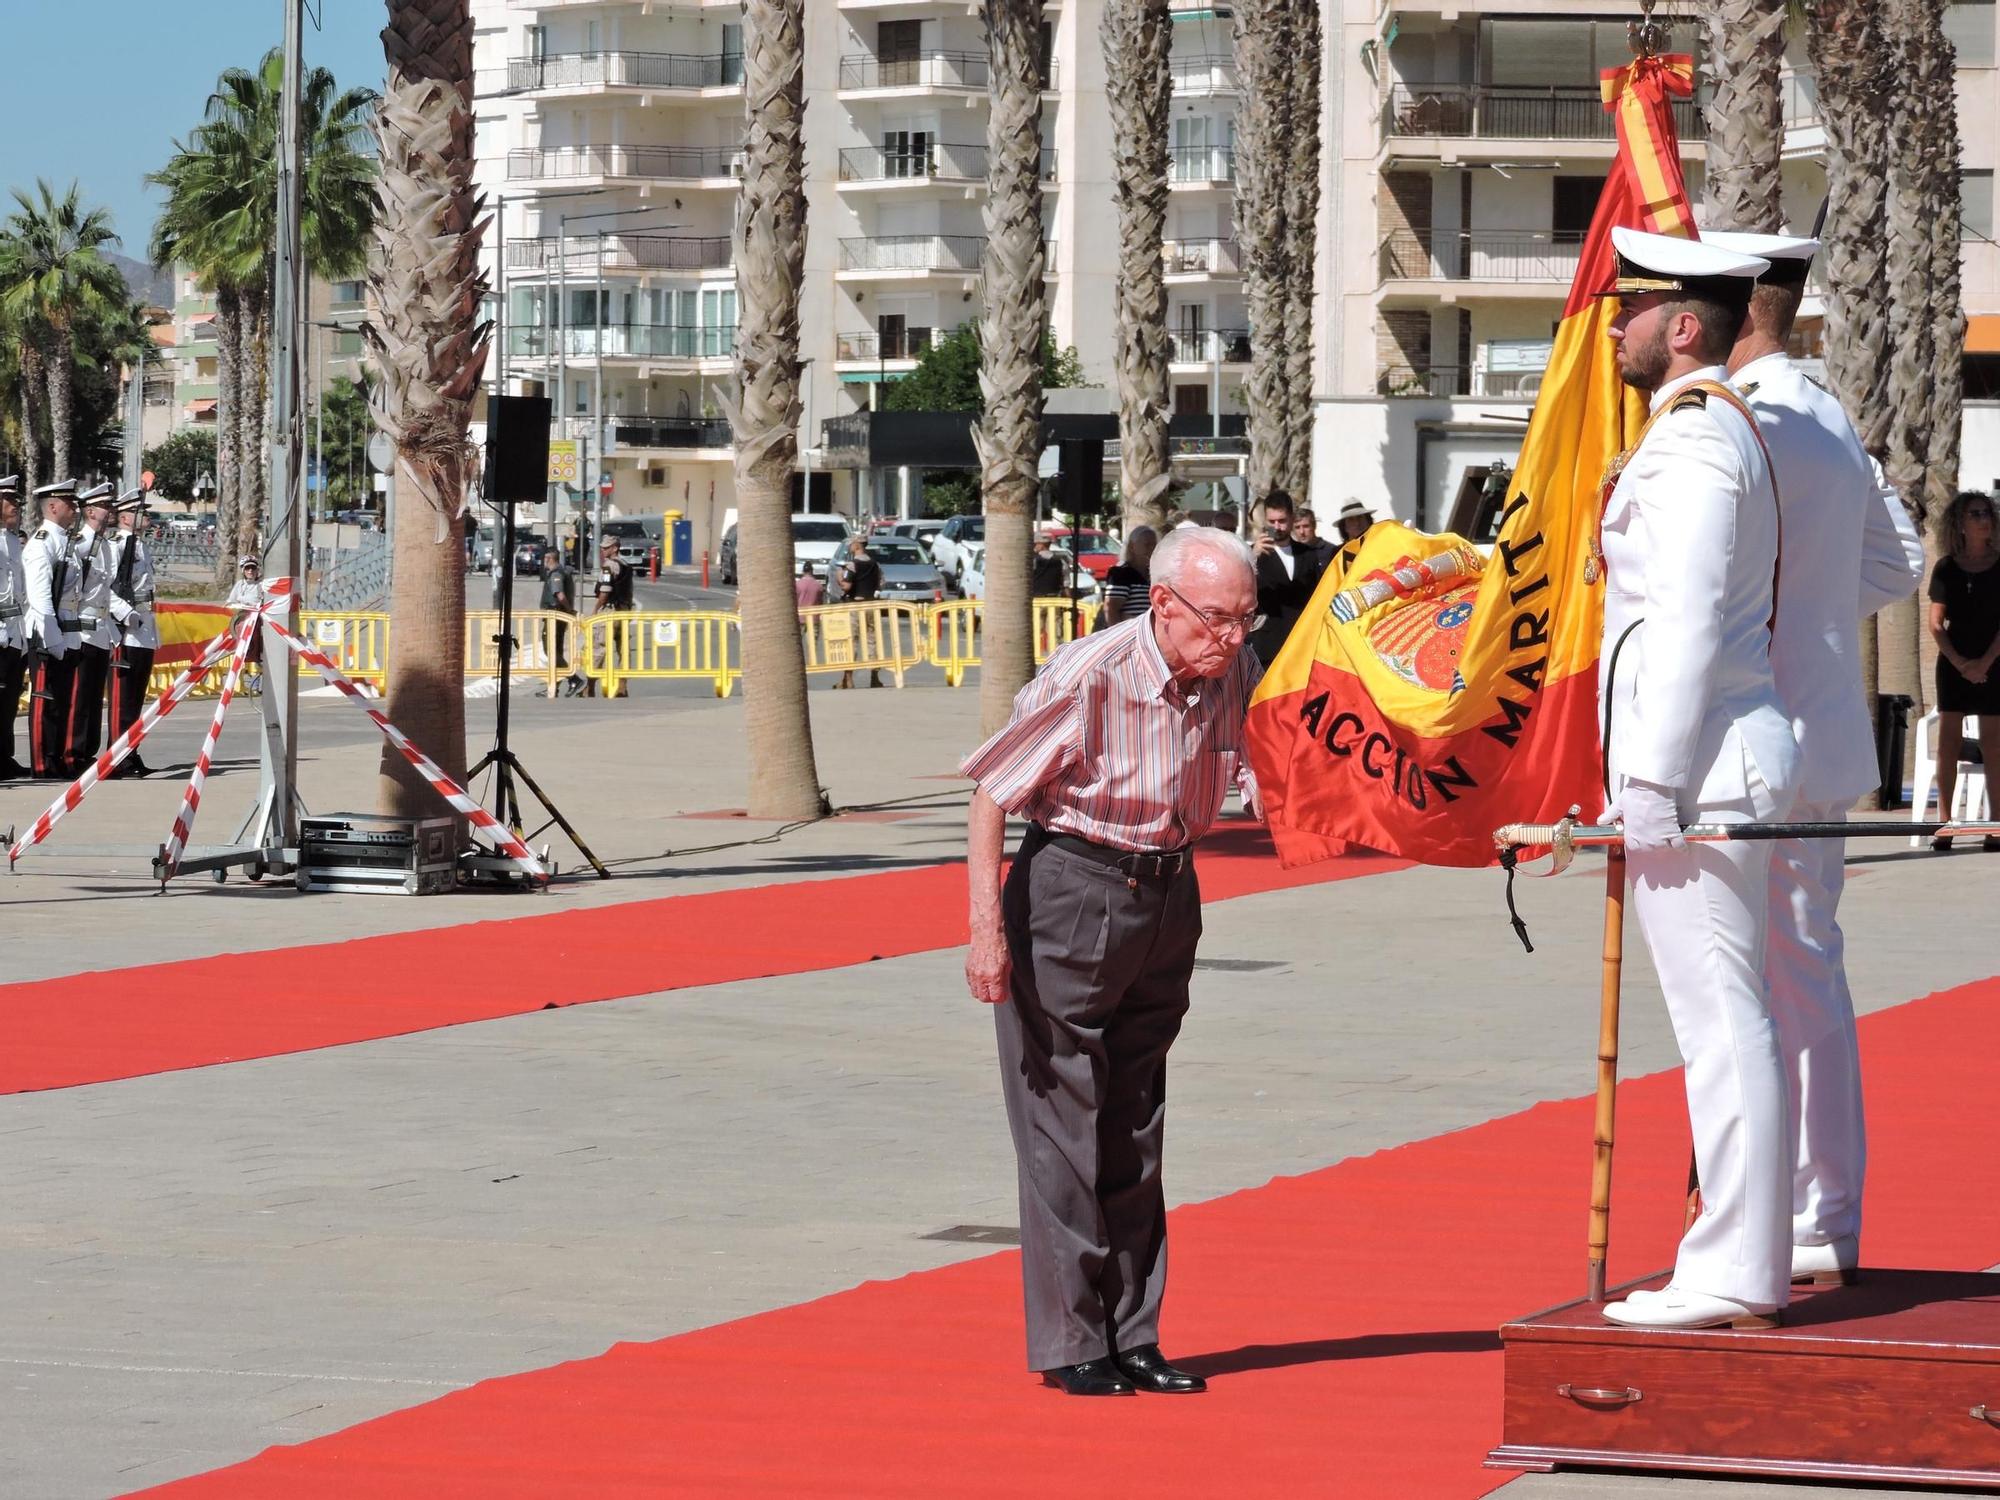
[1975, 194]
[906, 153]
[1969, 25]
[1190, 400]
[1575, 203]
[899, 51]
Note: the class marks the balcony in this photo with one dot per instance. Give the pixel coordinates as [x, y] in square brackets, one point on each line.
[566, 72]
[687, 165]
[1205, 77]
[1202, 167]
[1199, 10]
[1436, 382]
[1470, 111]
[913, 255]
[627, 341]
[930, 72]
[1208, 346]
[939, 162]
[1547, 259]
[579, 255]
[886, 348]
[671, 432]
[1199, 260]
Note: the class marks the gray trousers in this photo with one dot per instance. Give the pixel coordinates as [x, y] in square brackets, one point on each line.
[1100, 983]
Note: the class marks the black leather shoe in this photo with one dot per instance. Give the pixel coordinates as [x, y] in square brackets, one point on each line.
[1148, 1370]
[131, 765]
[1094, 1377]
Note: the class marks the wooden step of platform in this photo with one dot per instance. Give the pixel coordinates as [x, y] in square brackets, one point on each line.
[1896, 1378]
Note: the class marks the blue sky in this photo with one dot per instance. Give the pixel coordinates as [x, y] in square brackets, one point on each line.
[99, 90]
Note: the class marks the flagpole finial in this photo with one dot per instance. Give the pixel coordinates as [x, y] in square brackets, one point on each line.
[1647, 36]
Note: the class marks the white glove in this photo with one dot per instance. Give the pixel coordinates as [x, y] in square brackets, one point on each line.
[1650, 815]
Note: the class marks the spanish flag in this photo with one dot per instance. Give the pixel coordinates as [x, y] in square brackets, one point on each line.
[1431, 693]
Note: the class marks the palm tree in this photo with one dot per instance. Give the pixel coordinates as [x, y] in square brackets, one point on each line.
[1138, 83]
[21, 386]
[55, 277]
[1013, 318]
[1264, 70]
[1746, 117]
[1302, 244]
[430, 347]
[221, 220]
[770, 248]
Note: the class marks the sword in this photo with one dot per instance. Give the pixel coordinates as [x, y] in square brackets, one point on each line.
[1565, 836]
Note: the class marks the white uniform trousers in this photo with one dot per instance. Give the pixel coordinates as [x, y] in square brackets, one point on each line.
[1807, 976]
[1704, 911]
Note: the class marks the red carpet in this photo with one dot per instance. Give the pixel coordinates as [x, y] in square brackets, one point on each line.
[1348, 1317]
[89, 1028]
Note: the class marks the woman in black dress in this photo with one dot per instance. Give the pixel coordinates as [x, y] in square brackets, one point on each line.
[1965, 623]
[1129, 583]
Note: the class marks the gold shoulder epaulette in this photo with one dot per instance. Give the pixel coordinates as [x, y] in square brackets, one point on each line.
[1695, 399]
[1749, 390]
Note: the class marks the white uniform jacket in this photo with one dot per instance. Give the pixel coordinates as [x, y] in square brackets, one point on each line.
[1691, 553]
[90, 556]
[1842, 523]
[52, 590]
[13, 594]
[133, 609]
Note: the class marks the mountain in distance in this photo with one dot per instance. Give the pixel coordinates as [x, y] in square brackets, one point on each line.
[147, 284]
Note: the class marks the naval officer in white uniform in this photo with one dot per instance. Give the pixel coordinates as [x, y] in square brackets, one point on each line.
[1697, 733]
[1849, 549]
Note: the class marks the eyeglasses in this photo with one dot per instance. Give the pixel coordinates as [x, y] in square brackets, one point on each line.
[1215, 624]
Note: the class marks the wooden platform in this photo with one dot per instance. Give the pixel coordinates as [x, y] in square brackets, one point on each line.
[1895, 1379]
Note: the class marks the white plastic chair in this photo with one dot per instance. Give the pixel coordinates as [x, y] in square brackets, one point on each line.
[1968, 800]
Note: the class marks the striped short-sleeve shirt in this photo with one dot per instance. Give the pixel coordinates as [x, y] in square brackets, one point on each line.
[1104, 746]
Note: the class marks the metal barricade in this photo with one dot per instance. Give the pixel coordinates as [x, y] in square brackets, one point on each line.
[357, 640]
[954, 632]
[622, 645]
[865, 636]
[546, 645]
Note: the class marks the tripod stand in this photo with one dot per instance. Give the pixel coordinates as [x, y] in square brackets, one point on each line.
[505, 764]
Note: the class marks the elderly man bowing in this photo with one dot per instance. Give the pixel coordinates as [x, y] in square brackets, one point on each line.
[1119, 755]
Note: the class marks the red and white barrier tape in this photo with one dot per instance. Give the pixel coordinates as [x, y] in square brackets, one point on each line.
[443, 785]
[127, 742]
[170, 856]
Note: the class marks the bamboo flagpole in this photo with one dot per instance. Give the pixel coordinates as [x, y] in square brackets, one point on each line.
[1606, 1131]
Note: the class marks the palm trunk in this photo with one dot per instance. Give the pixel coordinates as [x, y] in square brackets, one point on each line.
[1011, 326]
[430, 347]
[31, 441]
[1137, 37]
[228, 450]
[1746, 116]
[59, 366]
[770, 248]
[1301, 233]
[1263, 70]
[1846, 45]
[1942, 217]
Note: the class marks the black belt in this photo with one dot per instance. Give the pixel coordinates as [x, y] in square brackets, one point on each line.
[1134, 865]
[69, 627]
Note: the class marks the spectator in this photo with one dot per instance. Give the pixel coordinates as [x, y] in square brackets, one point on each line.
[1050, 579]
[1287, 574]
[1130, 580]
[1355, 519]
[860, 580]
[1965, 623]
[559, 597]
[1305, 533]
[249, 593]
[808, 590]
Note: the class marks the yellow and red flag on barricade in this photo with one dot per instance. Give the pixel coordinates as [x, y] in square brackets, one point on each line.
[185, 628]
[1431, 693]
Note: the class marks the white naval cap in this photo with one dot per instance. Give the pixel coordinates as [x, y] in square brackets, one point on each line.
[133, 499]
[62, 489]
[98, 494]
[10, 486]
[1790, 256]
[1669, 263]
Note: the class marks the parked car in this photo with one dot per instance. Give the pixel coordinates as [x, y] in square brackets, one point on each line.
[921, 532]
[528, 547]
[183, 525]
[817, 539]
[635, 542]
[948, 547]
[972, 570]
[479, 550]
[906, 572]
[1093, 550]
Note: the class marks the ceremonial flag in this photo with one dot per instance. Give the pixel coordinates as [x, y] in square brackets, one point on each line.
[185, 628]
[1430, 693]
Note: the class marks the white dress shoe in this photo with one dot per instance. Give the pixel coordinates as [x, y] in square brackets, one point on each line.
[1676, 1307]
[1831, 1264]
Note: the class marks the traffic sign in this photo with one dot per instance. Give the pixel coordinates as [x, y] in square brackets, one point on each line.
[563, 462]
[381, 453]
[604, 485]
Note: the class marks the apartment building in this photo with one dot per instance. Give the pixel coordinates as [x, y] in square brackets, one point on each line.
[609, 135]
[1466, 149]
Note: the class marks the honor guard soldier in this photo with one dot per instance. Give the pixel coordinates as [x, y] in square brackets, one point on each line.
[90, 555]
[614, 593]
[1849, 550]
[138, 630]
[13, 623]
[53, 630]
[1697, 733]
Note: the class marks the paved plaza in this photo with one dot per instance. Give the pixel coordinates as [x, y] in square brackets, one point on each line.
[197, 1265]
